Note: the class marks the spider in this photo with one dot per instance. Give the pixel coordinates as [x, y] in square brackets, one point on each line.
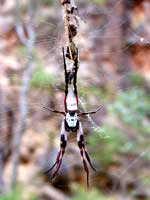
[71, 122]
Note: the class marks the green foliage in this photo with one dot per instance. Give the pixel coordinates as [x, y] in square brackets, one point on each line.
[14, 195]
[32, 196]
[17, 194]
[145, 180]
[136, 79]
[101, 2]
[92, 90]
[42, 79]
[47, 2]
[132, 107]
[102, 94]
[107, 141]
[93, 194]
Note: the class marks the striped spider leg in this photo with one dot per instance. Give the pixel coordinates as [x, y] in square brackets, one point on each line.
[63, 144]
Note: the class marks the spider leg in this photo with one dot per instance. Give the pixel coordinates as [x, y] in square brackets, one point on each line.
[83, 151]
[90, 112]
[64, 59]
[76, 64]
[63, 144]
[88, 157]
[84, 163]
[62, 151]
[82, 143]
[66, 78]
[56, 162]
[55, 111]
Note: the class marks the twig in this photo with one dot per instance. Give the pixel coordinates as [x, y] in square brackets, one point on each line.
[1, 131]
[19, 25]
[28, 42]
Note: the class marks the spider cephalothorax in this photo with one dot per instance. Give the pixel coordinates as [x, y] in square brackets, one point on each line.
[71, 122]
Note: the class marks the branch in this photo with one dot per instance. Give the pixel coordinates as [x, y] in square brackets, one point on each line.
[19, 25]
[23, 101]
[1, 131]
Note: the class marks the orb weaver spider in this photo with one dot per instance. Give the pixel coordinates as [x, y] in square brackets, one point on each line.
[71, 122]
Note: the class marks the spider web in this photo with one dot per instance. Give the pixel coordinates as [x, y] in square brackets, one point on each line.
[97, 33]
[50, 40]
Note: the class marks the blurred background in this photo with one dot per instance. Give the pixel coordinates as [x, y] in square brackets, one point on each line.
[114, 50]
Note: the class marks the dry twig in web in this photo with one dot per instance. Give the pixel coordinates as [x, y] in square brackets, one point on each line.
[28, 42]
[71, 26]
